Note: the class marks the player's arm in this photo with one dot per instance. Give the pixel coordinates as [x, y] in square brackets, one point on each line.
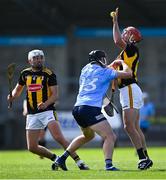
[16, 92]
[25, 110]
[125, 73]
[115, 64]
[116, 31]
[114, 85]
[52, 99]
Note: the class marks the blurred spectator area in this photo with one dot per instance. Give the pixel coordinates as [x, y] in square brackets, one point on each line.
[58, 16]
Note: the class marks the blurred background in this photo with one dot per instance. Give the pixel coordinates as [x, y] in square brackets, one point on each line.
[67, 30]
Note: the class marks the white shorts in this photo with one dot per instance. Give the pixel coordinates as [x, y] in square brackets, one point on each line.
[131, 97]
[39, 120]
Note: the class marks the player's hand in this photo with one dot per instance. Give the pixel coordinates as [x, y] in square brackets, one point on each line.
[114, 15]
[41, 106]
[10, 98]
[24, 113]
[116, 63]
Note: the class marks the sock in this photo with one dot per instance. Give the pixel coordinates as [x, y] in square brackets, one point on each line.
[141, 154]
[53, 157]
[108, 162]
[76, 158]
[65, 155]
[146, 153]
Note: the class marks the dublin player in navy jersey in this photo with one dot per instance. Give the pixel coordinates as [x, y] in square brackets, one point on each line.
[130, 93]
[42, 93]
[94, 81]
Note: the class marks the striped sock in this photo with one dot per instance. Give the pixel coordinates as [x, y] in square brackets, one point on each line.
[76, 158]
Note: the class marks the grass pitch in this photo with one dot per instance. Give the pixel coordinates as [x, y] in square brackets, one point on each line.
[25, 165]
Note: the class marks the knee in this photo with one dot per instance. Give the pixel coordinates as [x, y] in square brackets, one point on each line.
[86, 137]
[128, 128]
[90, 136]
[110, 137]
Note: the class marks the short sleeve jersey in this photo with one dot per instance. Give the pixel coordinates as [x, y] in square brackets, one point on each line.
[37, 87]
[93, 84]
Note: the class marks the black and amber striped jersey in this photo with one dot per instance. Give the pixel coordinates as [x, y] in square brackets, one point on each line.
[37, 87]
[130, 55]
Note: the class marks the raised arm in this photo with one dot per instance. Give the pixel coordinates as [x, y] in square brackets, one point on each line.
[116, 31]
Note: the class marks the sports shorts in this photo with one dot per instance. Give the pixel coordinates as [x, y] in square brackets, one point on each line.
[131, 97]
[40, 120]
[87, 115]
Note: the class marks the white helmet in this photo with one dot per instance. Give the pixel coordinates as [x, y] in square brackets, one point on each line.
[35, 52]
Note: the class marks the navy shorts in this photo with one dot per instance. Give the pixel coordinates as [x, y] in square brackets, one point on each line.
[87, 115]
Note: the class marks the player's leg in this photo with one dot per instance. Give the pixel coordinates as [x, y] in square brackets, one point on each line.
[57, 134]
[137, 125]
[104, 130]
[143, 142]
[33, 146]
[55, 130]
[79, 114]
[87, 135]
[129, 119]
[131, 101]
[33, 128]
[42, 140]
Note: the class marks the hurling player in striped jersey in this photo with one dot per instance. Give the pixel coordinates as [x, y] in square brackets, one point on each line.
[41, 95]
[131, 97]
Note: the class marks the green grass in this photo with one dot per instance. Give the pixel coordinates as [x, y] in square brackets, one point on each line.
[25, 165]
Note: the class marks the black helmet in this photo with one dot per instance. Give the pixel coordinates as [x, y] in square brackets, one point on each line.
[96, 56]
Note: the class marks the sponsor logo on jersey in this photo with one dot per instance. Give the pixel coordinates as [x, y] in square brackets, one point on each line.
[34, 87]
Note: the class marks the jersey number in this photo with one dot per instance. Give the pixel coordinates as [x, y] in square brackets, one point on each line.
[89, 86]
